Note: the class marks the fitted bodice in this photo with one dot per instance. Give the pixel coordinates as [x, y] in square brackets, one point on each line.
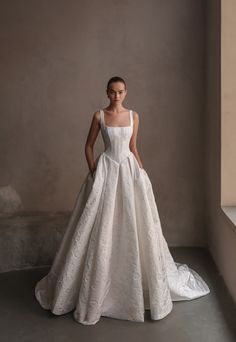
[116, 138]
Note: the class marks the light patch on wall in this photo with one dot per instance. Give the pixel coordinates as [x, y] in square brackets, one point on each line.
[10, 201]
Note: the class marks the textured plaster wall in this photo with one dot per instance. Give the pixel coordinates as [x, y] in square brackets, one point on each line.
[221, 232]
[56, 57]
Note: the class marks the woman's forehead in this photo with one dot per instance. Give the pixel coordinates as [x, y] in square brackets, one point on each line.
[117, 86]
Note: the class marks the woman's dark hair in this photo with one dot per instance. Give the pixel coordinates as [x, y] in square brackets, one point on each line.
[115, 79]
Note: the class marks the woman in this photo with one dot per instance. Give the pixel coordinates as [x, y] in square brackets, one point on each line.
[117, 114]
[113, 259]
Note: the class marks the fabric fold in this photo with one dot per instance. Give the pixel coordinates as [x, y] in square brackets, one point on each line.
[113, 259]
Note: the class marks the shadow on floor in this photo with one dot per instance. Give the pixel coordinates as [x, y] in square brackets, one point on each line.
[206, 319]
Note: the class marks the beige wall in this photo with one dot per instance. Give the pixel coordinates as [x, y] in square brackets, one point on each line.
[221, 232]
[56, 57]
[228, 105]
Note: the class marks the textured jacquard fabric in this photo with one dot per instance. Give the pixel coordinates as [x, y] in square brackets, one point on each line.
[113, 259]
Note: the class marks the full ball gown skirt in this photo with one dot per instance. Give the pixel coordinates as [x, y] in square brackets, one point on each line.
[113, 259]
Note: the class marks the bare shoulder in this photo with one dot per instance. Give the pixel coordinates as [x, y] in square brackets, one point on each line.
[96, 116]
[135, 116]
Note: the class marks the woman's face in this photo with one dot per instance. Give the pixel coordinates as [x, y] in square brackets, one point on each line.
[116, 92]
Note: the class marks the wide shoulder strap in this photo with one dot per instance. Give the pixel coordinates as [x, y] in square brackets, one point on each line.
[131, 117]
[101, 118]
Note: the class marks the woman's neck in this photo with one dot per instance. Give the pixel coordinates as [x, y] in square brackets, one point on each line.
[115, 108]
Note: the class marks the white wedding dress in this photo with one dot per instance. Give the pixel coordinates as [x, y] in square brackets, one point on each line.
[113, 259]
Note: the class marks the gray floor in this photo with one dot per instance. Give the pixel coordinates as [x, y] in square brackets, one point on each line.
[207, 319]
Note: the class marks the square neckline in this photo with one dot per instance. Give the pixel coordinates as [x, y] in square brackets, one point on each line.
[130, 118]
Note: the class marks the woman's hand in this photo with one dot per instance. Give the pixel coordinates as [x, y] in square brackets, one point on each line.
[92, 171]
[93, 168]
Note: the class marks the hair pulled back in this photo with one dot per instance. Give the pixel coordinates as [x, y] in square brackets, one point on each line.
[115, 79]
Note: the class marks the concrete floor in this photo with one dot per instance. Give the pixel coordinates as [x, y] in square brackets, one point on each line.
[207, 319]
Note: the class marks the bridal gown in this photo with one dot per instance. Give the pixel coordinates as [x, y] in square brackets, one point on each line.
[113, 259]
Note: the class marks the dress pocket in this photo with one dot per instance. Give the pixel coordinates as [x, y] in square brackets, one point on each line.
[140, 168]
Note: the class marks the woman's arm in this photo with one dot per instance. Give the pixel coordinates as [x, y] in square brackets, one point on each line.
[90, 141]
[133, 140]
